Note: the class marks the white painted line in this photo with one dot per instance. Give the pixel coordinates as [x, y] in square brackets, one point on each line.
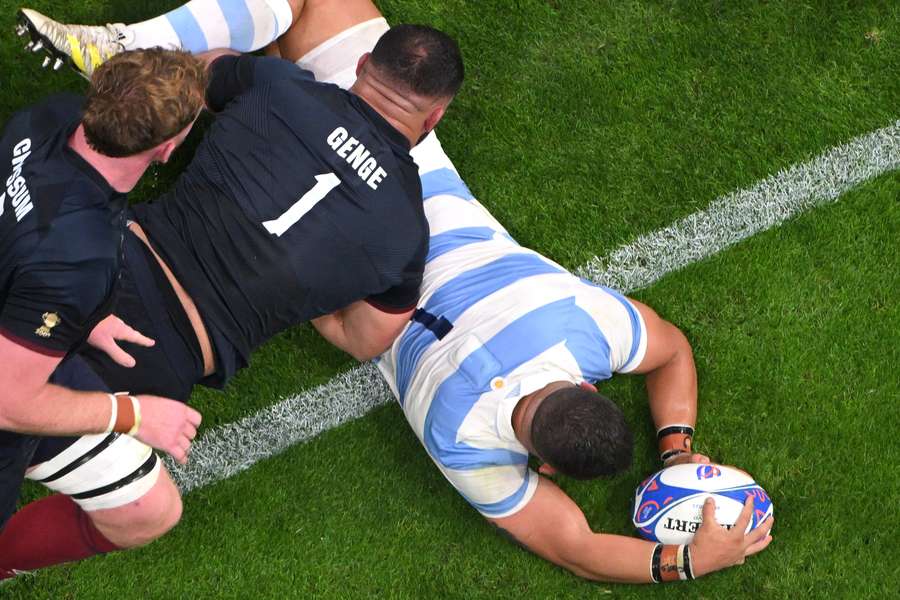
[229, 449]
[741, 214]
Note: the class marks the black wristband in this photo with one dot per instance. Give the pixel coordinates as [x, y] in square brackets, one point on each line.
[654, 563]
[665, 456]
[685, 429]
[686, 560]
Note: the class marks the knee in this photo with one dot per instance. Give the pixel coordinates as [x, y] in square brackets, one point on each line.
[143, 520]
[157, 517]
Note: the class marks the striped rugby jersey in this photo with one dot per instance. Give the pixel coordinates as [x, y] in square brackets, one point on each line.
[495, 321]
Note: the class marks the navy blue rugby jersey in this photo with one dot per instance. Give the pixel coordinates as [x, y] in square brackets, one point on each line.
[300, 200]
[61, 231]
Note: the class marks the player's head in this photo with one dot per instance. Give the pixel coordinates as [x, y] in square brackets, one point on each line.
[425, 61]
[421, 65]
[144, 101]
[579, 432]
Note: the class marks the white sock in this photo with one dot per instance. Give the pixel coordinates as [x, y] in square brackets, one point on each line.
[200, 25]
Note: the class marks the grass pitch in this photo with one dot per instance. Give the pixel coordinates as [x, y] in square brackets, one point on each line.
[581, 125]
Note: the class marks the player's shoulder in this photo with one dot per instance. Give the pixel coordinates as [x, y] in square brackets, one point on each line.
[74, 222]
[295, 87]
[45, 117]
[60, 108]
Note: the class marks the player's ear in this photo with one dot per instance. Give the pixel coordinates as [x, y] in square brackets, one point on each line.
[165, 150]
[434, 117]
[361, 62]
[547, 470]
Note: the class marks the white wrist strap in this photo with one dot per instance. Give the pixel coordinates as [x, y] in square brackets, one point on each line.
[114, 413]
[136, 405]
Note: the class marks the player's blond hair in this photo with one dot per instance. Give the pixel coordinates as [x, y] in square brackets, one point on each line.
[141, 98]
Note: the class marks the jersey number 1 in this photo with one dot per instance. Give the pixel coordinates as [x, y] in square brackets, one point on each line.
[324, 184]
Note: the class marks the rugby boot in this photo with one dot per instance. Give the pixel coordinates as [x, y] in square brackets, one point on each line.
[82, 47]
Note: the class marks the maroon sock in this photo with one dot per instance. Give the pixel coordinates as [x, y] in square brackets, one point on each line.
[48, 532]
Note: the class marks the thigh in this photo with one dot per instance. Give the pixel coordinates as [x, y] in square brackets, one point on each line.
[98, 471]
[335, 60]
[73, 373]
[321, 20]
[16, 451]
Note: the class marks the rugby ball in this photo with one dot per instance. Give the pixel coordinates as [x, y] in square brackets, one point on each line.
[668, 505]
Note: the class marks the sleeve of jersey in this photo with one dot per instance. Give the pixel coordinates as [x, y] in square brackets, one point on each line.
[625, 332]
[48, 309]
[496, 491]
[403, 297]
[230, 76]
[615, 338]
[400, 298]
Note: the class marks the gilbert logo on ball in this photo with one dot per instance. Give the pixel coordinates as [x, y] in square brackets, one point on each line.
[668, 506]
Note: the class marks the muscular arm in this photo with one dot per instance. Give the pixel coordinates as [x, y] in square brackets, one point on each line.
[552, 526]
[362, 330]
[28, 404]
[671, 375]
[231, 74]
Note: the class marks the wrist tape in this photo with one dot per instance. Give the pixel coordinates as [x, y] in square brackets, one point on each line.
[671, 563]
[674, 440]
[125, 414]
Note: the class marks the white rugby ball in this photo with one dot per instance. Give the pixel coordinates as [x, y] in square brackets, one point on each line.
[668, 505]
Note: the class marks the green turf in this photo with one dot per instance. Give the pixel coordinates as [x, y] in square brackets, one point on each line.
[581, 125]
[796, 347]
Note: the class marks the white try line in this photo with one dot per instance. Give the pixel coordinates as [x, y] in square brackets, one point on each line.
[229, 449]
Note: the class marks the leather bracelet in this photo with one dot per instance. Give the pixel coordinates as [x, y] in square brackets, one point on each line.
[126, 416]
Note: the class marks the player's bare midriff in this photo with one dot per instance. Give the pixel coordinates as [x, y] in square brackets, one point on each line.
[187, 303]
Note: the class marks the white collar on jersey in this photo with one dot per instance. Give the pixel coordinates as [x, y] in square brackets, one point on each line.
[523, 387]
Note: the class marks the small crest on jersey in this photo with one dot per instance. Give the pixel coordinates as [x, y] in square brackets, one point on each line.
[51, 320]
[497, 383]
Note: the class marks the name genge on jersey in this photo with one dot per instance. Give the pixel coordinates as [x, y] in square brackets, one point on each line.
[357, 156]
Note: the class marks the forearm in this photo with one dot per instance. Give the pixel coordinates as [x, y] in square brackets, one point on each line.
[606, 557]
[55, 410]
[672, 388]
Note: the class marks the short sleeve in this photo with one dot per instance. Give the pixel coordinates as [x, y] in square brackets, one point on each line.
[231, 76]
[400, 298]
[495, 491]
[403, 296]
[50, 307]
[625, 332]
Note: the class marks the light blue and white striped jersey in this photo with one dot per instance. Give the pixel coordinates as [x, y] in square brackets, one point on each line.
[495, 321]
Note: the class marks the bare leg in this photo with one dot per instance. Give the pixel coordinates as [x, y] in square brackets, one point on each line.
[321, 20]
[144, 520]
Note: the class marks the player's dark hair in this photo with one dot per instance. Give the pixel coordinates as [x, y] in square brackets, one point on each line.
[424, 60]
[141, 98]
[581, 434]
